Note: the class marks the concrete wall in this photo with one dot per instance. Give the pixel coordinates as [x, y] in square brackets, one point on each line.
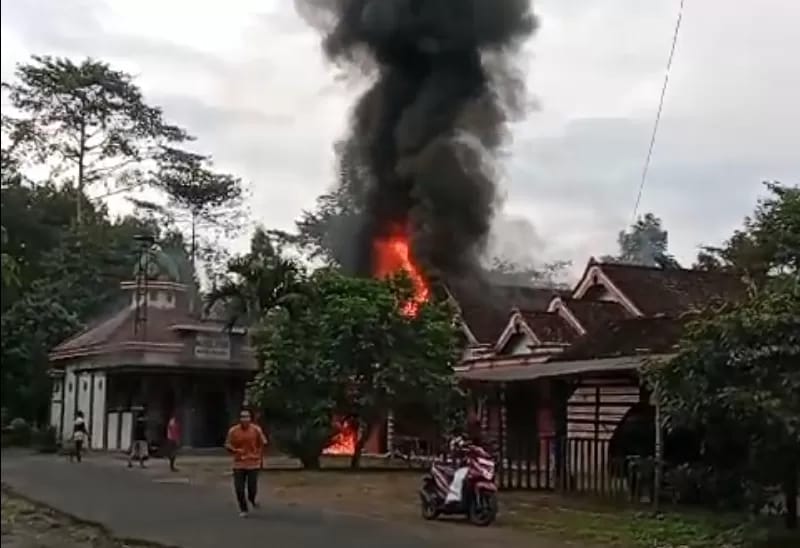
[56, 405]
[98, 410]
[80, 391]
[70, 398]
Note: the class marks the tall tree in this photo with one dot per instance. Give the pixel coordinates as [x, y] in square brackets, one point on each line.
[506, 272]
[87, 120]
[644, 243]
[258, 281]
[349, 352]
[736, 379]
[194, 187]
[769, 241]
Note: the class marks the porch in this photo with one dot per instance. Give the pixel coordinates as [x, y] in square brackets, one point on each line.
[576, 427]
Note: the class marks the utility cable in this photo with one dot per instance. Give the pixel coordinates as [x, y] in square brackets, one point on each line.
[658, 114]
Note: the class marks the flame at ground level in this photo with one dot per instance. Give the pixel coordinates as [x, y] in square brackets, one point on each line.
[344, 442]
[392, 254]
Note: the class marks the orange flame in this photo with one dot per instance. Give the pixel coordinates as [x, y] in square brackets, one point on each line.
[392, 254]
[344, 442]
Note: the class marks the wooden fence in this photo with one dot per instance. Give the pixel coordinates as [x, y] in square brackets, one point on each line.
[581, 466]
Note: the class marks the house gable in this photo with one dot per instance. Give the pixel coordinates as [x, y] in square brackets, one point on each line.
[517, 337]
[596, 285]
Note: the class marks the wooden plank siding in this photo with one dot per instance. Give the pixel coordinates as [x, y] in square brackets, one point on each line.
[598, 405]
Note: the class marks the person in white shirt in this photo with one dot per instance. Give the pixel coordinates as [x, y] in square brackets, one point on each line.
[79, 436]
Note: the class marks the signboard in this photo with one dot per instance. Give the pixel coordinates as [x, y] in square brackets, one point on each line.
[212, 347]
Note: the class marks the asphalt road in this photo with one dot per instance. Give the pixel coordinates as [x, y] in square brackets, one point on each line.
[131, 505]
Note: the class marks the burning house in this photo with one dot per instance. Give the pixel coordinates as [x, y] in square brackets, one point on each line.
[559, 386]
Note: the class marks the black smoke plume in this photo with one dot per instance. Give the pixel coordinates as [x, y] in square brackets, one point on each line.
[423, 138]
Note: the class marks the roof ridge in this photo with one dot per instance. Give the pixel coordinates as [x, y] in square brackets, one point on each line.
[661, 269]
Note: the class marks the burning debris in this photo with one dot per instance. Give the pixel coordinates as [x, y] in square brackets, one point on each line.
[425, 134]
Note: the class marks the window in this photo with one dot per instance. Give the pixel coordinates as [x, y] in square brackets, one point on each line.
[100, 385]
[85, 386]
[69, 387]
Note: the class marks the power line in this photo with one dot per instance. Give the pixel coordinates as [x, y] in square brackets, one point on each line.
[658, 114]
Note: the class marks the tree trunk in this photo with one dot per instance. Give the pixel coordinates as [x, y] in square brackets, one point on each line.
[81, 175]
[194, 239]
[310, 462]
[355, 460]
[790, 492]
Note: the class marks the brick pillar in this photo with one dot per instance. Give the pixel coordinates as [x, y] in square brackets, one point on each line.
[390, 432]
[503, 438]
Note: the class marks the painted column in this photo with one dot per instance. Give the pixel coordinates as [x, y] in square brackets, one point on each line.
[390, 433]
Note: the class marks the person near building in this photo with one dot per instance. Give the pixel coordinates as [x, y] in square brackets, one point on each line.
[246, 442]
[139, 448]
[173, 442]
[79, 436]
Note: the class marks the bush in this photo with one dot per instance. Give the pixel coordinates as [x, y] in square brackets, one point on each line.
[701, 484]
[45, 440]
[303, 442]
[16, 434]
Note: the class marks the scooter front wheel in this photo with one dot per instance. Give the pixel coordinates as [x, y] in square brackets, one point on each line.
[482, 509]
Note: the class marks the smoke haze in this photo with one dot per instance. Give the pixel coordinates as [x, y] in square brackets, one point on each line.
[423, 138]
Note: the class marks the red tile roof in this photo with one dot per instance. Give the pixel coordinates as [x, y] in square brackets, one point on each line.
[672, 291]
[549, 327]
[119, 328]
[594, 315]
[627, 337]
[485, 308]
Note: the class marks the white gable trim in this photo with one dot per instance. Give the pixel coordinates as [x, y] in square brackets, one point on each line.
[558, 306]
[515, 324]
[594, 275]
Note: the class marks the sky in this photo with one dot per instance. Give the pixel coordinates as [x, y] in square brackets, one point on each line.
[248, 79]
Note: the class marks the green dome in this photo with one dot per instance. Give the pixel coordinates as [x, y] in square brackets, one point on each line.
[161, 265]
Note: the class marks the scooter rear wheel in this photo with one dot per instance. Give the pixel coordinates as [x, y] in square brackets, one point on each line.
[430, 509]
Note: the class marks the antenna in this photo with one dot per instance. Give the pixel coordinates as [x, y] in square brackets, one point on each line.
[146, 243]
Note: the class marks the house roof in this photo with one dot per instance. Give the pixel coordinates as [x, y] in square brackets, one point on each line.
[627, 337]
[593, 314]
[672, 291]
[528, 372]
[119, 328]
[485, 308]
[549, 327]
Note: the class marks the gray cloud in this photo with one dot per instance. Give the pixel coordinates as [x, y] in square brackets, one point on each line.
[262, 101]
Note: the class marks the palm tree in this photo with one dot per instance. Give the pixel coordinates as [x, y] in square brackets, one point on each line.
[258, 282]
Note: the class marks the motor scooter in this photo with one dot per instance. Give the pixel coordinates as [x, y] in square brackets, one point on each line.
[478, 499]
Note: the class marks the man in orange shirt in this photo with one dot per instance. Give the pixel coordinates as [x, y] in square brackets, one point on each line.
[246, 442]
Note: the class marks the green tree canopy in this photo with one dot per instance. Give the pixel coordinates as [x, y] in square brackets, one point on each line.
[348, 352]
[769, 241]
[644, 243]
[87, 120]
[736, 379]
[194, 187]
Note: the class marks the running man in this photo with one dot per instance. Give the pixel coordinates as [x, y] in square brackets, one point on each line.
[246, 443]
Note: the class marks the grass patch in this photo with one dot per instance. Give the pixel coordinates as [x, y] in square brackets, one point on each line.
[611, 525]
[524, 517]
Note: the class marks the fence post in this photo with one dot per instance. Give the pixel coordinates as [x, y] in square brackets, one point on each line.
[659, 453]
